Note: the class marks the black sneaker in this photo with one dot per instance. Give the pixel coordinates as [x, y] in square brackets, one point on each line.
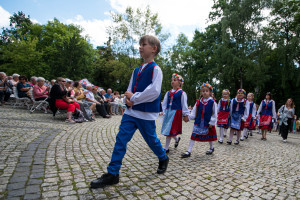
[177, 142]
[186, 155]
[229, 142]
[104, 180]
[163, 165]
[210, 151]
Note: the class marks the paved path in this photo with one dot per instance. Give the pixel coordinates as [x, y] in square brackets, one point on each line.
[45, 158]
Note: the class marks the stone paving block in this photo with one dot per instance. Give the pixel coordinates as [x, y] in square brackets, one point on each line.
[60, 160]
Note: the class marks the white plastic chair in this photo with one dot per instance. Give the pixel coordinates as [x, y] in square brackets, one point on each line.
[20, 102]
[38, 105]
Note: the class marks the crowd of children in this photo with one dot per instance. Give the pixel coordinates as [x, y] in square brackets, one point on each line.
[143, 108]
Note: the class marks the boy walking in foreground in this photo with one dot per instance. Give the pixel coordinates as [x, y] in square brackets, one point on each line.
[143, 107]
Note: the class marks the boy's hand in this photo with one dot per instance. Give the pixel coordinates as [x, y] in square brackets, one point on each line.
[210, 126]
[186, 118]
[129, 103]
[128, 94]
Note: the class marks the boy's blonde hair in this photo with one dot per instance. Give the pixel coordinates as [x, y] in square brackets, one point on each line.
[153, 41]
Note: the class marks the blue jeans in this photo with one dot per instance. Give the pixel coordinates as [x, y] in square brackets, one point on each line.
[126, 130]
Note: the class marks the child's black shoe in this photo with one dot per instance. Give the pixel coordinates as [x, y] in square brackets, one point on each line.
[210, 151]
[236, 142]
[229, 142]
[177, 142]
[221, 142]
[163, 165]
[167, 151]
[186, 154]
[104, 180]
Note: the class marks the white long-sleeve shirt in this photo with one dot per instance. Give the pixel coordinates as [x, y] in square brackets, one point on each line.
[148, 95]
[184, 106]
[214, 115]
[273, 109]
[253, 109]
[247, 107]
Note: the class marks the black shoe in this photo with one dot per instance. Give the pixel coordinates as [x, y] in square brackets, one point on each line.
[163, 165]
[107, 116]
[250, 134]
[167, 151]
[234, 133]
[229, 142]
[104, 180]
[186, 154]
[221, 142]
[242, 139]
[210, 151]
[177, 142]
[224, 135]
[236, 142]
[246, 137]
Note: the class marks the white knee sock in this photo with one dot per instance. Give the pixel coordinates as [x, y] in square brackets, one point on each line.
[211, 145]
[244, 133]
[192, 142]
[225, 131]
[168, 141]
[230, 135]
[238, 135]
[221, 134]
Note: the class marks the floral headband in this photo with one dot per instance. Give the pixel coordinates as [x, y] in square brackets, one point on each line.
[241, 90]
[206, 85]
[178, 77]
[226, 90]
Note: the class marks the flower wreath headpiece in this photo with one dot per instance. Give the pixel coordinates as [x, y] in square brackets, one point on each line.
[207, 85]
[178, 77]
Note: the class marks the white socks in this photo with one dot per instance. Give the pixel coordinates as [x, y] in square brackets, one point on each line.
[192, 142]
[221, 134]
[168, 141]
[211, 145]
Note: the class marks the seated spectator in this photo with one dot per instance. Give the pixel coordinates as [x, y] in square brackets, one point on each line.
[40, 91]
[4, 89]
[114, 105]
[108, 95]
[52, 82]
[106, 102]
[15, 80]
[58, 96]
[91, 98]
[69, 88]
[79, 95]
[23, 87]
[33, 81]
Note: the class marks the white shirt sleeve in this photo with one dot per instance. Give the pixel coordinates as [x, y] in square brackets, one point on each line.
[231, 105]
[254, 110]
[246, 112]
[219, 104]
[214, 115]
[151, 92]
[259, 109]
[274, 116]
[165, 102]
[184, 106]
[193, 113]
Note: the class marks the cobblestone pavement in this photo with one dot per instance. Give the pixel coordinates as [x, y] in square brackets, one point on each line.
[45, 158]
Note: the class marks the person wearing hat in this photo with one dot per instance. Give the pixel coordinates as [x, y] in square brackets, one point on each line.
[175, 108]
[223, 121]
[205, 115]
[239, 111]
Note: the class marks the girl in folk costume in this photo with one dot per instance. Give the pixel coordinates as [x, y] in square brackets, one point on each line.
[251, 120]
[223, 114]
[205, 115]
[239, 109]
[266, 112]
[174, 107]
